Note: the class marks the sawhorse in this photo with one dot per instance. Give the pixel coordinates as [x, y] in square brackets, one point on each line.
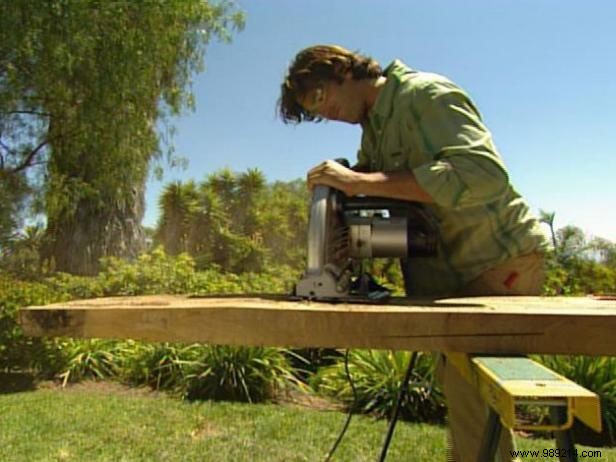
[510, 384]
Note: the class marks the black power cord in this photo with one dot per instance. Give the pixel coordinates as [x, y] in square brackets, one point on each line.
[401, 394]
[394, 418]
[348, 419]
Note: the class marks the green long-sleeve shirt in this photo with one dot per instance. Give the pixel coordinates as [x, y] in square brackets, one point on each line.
[426, 124]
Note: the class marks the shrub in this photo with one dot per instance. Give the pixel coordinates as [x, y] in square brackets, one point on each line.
[578, 275]
[308, 361]
[277, 280]
[74, 287]
[17, 351]
[209, 372]
[152, 273]
[160, 366]
[377, 376]
[250, 374]
[87, 359]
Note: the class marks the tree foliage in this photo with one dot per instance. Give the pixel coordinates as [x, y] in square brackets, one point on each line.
[579, 265]
[83, 85]
[235, 221]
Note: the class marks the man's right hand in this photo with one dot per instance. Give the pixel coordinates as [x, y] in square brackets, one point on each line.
[334, 174]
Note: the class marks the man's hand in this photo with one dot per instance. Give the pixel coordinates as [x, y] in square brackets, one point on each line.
[333, 174]
[396, 185]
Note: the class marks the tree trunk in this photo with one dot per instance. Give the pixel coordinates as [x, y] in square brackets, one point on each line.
[76, 243]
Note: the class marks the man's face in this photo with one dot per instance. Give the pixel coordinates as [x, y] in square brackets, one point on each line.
[334, 101]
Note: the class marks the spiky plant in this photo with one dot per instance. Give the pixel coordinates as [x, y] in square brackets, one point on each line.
[377, 376]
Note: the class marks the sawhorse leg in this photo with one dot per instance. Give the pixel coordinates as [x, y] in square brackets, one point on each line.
[564, 439]
[491, 436]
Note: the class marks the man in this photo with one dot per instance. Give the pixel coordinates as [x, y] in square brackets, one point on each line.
[423, 140]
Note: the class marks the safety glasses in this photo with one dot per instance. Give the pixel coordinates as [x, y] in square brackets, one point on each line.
[314, 101]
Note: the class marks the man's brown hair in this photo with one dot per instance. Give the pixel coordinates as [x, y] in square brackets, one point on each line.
[314, 66]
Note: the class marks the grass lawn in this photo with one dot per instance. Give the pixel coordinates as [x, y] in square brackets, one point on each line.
[106, 422]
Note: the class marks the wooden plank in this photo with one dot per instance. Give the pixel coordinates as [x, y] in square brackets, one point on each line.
[503, 325]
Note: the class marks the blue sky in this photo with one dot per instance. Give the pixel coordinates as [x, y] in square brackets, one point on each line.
[542, 72]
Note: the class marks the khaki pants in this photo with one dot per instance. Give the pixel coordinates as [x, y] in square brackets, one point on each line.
[467, 412]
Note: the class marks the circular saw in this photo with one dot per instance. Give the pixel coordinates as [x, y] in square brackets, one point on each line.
[344, 230]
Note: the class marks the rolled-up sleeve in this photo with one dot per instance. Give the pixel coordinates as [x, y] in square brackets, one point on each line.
[466, 170]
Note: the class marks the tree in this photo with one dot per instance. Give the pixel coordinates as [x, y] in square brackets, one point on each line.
[285, 223]
[21, 256]
[571, 243]
[605, 251]
[177, 204]
[251, 188]
[548, 219]
[578, 265]
[82, 88]
[207, 224]
[236, 246]
[13, 193]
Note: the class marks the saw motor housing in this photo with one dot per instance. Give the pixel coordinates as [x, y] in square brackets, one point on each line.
[344, 230]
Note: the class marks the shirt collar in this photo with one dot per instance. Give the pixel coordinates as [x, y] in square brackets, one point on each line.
[383, 105]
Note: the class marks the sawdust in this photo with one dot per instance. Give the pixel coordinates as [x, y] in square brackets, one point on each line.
[101, 387]
[205, 430]
[305, 400]
[15, 383]
[294, 398]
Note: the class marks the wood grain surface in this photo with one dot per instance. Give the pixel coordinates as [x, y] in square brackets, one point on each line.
[503, 325]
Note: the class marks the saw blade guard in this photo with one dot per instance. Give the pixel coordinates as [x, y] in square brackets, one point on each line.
[317, 229]
[328, 249]
[328, 242]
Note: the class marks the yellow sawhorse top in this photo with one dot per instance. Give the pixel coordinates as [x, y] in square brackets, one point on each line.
[510, 385]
